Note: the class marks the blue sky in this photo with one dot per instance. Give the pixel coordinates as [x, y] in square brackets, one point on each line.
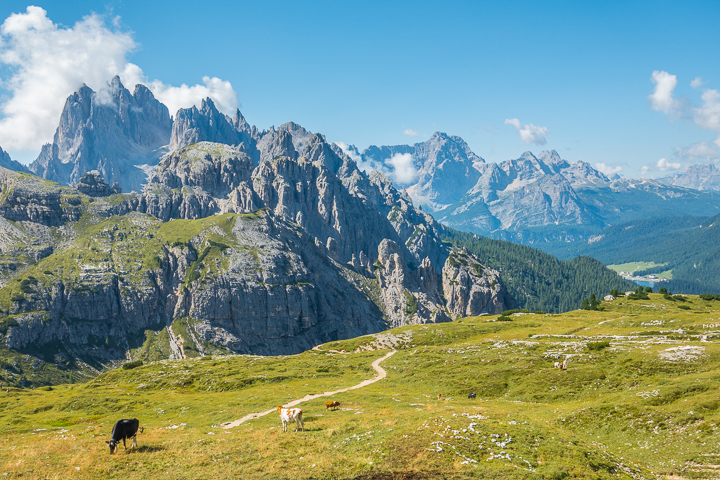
[375, 72]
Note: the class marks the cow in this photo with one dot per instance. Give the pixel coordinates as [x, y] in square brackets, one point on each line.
[558, 365]
[122, 430]
[472, 396]
[439, 397]
[332, 405]
[291, 415]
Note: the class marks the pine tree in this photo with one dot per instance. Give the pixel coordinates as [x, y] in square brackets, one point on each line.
[585, 305]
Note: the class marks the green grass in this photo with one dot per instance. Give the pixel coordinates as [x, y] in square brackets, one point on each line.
[631, 404]
[633, 266]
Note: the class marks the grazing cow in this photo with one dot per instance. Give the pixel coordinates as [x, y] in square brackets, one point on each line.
[439, 397]
[558, 365]
[124, 429]
[291, 415]
[471, 396]
[332, 405]
[565, 363]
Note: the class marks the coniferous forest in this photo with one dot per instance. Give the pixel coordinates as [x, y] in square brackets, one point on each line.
[539, 281]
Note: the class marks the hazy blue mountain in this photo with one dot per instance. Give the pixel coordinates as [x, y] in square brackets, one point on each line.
[698, 177]
[10, 164]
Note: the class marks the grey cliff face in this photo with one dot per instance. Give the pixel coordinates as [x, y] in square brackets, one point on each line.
[470, 287]
[111, 131]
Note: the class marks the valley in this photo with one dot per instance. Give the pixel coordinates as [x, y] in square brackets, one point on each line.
[637, 400]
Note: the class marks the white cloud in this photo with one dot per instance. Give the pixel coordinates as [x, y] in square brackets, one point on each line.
[410, 132]
[662, 99]
[606, 169]
[49, 62]
[697, 82]
[702, 151]
[529, 133]
[707, 115]
[175, 98]
[398, 168]
[403, 170]
[664, 165]
[644, 170]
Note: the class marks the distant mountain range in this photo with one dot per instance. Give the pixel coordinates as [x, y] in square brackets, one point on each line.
[536, 200]
[698, 177]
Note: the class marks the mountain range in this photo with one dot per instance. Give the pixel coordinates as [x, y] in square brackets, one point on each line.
[243, 241]
[538, 200]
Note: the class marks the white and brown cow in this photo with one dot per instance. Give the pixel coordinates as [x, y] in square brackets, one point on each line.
[291, 415]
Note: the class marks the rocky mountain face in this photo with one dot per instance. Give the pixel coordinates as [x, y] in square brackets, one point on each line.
[445, 168]
[118, 133]
[697, 177]
[218, 254]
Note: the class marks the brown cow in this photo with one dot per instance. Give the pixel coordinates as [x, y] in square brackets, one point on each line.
[332, 405]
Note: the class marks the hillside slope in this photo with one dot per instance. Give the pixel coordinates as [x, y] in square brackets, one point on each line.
[642, 405]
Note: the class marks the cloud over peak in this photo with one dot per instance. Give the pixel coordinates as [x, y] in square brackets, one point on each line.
[528, 132]
[48, 62]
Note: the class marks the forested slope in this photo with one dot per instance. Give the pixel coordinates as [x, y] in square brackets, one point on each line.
[540, 281]
[689, 246]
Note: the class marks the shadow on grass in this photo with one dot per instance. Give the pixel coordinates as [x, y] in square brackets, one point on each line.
[146, 449]
[399, 476]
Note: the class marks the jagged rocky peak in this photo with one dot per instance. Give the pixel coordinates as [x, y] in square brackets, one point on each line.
[112, 131]
[445, 168]
[93, 184]
[10, 164]
[207, 123]
[276, 143]
[215, 167]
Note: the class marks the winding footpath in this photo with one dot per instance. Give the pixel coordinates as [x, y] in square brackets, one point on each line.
[381, 373]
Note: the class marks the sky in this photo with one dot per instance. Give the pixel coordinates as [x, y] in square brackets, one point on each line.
[630, 87]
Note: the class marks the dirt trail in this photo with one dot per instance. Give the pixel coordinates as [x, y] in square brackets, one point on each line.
[381, 373]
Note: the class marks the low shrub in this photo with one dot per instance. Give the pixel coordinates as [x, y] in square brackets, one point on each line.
[597, 346]
[504, 318]
[131, 365]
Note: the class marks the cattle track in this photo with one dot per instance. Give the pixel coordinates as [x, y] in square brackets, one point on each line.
[381, 373]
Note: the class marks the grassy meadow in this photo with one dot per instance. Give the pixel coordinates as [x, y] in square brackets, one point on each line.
[639, 399]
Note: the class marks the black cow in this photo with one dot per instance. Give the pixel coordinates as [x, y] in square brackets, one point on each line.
[472, 396]
[124, 429]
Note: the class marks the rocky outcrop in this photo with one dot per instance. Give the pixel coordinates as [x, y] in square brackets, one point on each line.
[472, 289]
[112, 131]
[31, 199]
[409, 296]
[93, 185]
